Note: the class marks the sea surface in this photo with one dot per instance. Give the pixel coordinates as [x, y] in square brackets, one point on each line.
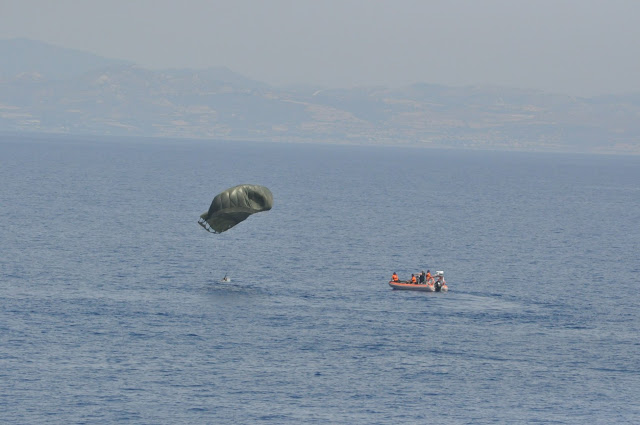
[112, 310]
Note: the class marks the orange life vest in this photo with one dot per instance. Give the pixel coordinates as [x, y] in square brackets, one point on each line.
[394, 277]
[413, 279]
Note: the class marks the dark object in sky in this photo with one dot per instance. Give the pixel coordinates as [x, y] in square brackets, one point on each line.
[234, 205]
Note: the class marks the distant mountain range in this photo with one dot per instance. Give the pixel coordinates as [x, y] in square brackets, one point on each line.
[49, 89]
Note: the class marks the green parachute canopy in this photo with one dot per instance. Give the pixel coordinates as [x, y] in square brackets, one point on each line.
[234, 205]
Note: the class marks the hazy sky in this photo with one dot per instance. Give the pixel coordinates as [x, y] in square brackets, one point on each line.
[580, 47]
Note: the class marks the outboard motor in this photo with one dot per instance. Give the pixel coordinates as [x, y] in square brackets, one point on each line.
[440, 278]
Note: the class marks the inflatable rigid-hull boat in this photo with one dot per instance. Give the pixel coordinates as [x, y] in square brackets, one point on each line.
[416, 286]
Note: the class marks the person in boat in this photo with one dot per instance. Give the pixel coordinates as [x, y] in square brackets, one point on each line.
[429, 279]
[394, 277]
[440, 281]
[422, 278]
[413, 278]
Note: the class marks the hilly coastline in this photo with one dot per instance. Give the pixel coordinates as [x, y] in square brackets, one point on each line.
[49, 89]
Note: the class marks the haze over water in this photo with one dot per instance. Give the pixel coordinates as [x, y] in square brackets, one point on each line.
[112, 309]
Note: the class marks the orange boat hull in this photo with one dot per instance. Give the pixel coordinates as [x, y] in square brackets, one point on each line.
[411, 286]
[415, 286]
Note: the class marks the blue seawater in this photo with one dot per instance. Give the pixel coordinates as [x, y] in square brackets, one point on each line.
[112, 310]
